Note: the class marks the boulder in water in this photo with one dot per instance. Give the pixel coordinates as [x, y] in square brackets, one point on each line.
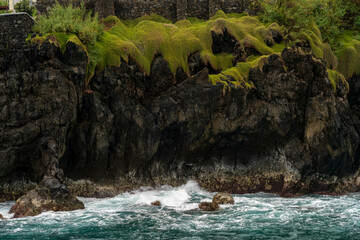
[156, 203]
[50, 195]
[223, 198]
[1, 217]
[209, 206]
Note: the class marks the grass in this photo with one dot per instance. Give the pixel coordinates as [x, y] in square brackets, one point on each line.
[142, 39]
[349, 56]
[113, 41]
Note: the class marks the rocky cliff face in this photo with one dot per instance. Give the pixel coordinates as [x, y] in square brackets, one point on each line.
[290, 134]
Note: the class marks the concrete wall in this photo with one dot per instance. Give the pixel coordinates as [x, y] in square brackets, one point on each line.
[170, 9]
[14, 29]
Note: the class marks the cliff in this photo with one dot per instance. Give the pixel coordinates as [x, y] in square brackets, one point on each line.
[288, 129]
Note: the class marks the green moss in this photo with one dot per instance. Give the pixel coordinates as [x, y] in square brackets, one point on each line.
[313, 37]
[236, 15]
[142, 39]
[329, 57]
[37, 39]
[111, 19]
[195, 20]
[175, 42]
[219, 14]
[183, 23]
[335, 77]
[152, 17]
[238, 76]
[62, 39]
[349, 56]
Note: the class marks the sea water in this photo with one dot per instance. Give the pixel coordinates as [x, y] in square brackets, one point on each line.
[253, 216]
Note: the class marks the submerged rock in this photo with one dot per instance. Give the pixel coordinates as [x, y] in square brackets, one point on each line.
[156, 203]
[223, 198]
[209, 206]
[50, 195]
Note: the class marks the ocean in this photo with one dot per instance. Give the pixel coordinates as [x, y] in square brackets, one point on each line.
[253, 216]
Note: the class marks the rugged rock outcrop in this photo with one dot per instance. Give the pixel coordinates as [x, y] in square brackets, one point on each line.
[289, 134]
[209, 206]
[223, 198]
[87, 188]
[49, 195]
[156, 203]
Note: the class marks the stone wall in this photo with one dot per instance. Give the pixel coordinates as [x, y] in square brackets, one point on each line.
[231, 6]
[14, 28]
[136, 8]
[170, 9]
[198, 8]
[43, 5]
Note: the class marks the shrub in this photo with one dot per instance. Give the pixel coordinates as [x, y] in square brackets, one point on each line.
[70, 20]
[325, 25]
[3, 3]
[297, 16]
[25, 6]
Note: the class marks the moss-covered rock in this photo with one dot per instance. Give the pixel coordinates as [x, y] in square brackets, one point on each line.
[144, 38]
[349, 56]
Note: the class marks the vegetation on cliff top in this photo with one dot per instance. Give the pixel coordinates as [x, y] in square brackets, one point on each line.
[112, 41]
[336, 24]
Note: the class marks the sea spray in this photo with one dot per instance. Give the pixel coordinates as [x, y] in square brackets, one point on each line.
[253, 216]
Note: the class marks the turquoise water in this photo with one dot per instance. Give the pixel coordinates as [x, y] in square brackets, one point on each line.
[253, 216]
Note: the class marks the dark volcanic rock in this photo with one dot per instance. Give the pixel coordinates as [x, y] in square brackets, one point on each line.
[223, 198]
[277, 36]
[86, 188]
[50, 195]
[209, 206]
[291, 133]
[156, 203]
[223, 43]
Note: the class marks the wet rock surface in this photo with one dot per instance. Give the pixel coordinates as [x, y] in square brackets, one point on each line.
[50, 195]
[209, 206]
[87, 188]
[156, 203]
[290, 134]
[223, 198]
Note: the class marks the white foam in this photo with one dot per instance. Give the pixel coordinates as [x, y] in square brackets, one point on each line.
[178, 198]
[250, 212]
[172, 198]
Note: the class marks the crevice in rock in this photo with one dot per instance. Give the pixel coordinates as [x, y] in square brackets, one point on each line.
[223, 43]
